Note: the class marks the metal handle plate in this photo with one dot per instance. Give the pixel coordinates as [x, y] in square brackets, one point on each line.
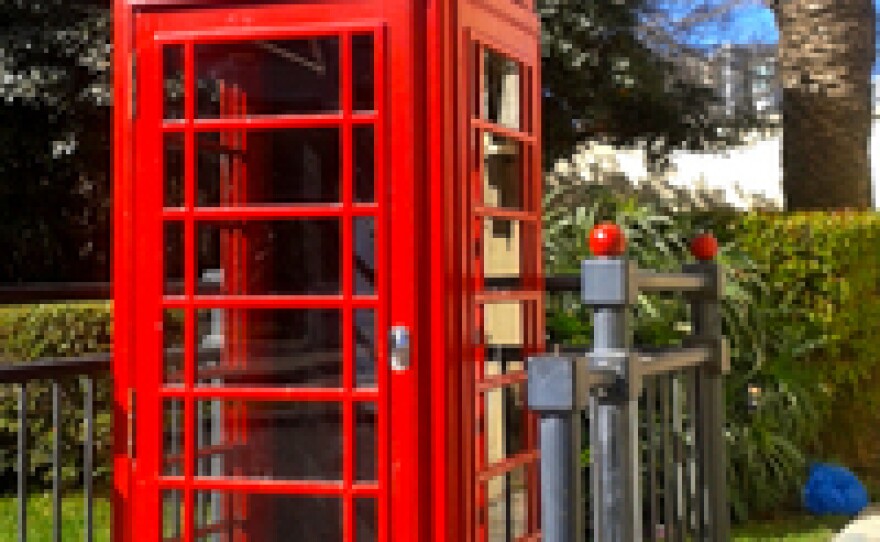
[399, 344]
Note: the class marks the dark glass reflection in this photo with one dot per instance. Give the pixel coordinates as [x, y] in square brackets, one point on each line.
[363, 65]
[364, 164]
[503, 172]
[365, 418]
[366, 515]
[236, 517]
[267, 77]
[282, 440]
[173, 249]
[172, 441]
[172, 513]
[269, 348]
[282, 257]
[173, 86]
[174, 173]
[364, 255]
[365, 347]
[172, 346]
[507, 503]
[505, 422]
[501, 94]
[272, 167]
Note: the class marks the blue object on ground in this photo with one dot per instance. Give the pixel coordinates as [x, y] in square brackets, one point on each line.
[834, 490]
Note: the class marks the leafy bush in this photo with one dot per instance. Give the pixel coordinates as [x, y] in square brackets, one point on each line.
[58, 330]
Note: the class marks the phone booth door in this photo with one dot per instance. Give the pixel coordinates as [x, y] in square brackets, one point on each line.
[261, 373]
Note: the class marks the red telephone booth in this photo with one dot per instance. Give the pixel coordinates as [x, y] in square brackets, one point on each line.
[327, 269]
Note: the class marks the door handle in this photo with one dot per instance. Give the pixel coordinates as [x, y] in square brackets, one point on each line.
[399, 348]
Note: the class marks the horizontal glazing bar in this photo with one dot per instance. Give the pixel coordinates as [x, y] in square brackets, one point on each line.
[269, 486]
[276, 394]
[289, 212]
[501, 381]
[507, 214]
[507, 465]
[501, 296]
[271, 302]
[498, 129]
[269, 122]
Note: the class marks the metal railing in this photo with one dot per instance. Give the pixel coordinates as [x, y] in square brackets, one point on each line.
[657, 468]
[56, 373]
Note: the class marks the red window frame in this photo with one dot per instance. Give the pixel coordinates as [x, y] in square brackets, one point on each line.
[529, 290]
[150, 299]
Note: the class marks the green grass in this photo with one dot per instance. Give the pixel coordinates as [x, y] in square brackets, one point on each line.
[794, 529]
[40, 518]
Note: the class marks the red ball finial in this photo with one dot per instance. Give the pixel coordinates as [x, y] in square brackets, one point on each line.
[607, 239]
[704, 247]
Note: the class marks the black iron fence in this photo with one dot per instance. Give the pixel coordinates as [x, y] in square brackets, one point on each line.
[58, 376]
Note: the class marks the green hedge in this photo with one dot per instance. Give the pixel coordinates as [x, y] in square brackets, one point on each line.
[57, 330]
[823, 270]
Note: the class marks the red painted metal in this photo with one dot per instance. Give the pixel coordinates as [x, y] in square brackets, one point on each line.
[429, 213]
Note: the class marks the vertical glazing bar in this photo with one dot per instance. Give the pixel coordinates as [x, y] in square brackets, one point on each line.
[88, 457]
[56, 461]
[22, 462]
[189, 243]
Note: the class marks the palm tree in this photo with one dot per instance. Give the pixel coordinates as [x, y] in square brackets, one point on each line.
[826, 53]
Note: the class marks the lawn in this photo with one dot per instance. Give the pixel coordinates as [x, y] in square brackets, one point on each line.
[794, 529]
[799, 529]
[40, 518]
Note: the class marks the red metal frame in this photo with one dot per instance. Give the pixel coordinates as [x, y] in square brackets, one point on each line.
[430, 213]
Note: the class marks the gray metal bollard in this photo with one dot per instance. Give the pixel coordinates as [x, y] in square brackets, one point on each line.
[557, 389]
[608, 286]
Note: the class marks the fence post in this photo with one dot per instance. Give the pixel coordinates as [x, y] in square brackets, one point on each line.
[608, 285]
[710, 418]
[556, 391]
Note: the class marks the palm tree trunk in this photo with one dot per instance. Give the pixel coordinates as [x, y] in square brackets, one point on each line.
[826, 53]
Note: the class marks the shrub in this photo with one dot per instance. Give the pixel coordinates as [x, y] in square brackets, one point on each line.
[56, 330]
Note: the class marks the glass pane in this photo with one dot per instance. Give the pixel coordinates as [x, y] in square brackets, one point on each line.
[505, 422]
[363, 60]
[174, 164]
[502, 256]
[270, 167]
[364, 164]
[174, 258]
[501, 100]
[503, 326]
[269, 348]
[365, 348]
[364, 255]
[366, 516]
[172, 333]
[281, 257]
[269, 440]
[235, 517]
[502, 172]
[507, 497]
[365, 445]
[172, 60]
[172, 441]
[172, 512]
[267, 77]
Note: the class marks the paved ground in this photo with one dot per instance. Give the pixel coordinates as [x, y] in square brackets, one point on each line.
[865, 528]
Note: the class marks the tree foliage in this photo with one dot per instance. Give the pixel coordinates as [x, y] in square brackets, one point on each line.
[609, 74]
[54, 139]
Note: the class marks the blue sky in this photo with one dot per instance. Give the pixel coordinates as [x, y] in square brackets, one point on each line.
[747, 24]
